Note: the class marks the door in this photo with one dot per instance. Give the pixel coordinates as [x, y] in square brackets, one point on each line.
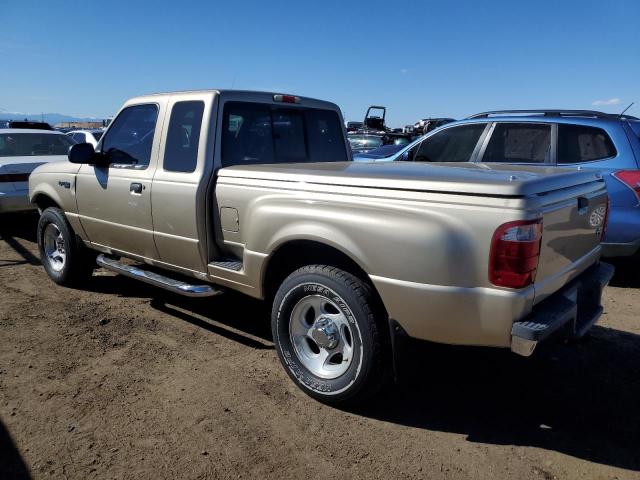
[179, 193]
[114, 202]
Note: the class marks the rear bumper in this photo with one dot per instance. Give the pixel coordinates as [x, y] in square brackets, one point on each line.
[571, 311]
[15, 201]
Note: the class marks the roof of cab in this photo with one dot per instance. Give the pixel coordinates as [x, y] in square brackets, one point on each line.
[249, 94]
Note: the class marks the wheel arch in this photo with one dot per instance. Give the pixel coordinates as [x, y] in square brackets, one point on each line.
[295, 253]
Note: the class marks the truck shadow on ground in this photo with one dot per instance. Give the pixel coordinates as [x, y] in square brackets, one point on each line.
[15, 228]
[577, 399]
[11, 463]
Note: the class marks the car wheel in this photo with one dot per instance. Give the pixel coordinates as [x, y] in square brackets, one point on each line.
[66, 261]
[327, 334]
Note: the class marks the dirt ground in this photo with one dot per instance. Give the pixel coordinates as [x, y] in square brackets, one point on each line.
[121, 380]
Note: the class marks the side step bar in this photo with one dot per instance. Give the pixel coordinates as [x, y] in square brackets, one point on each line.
[157, 280]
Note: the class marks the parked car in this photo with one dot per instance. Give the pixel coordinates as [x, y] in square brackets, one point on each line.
[354, 126]
[363, 142]
[352, 256]
[22, 150]
[381, 153]
[25, 124]
[86, 136]
[426, 125]
[590, 140]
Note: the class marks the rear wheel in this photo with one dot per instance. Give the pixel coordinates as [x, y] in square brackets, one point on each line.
[326, 330]
[65, 260]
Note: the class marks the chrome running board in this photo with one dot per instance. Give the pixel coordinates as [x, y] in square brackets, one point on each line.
[171, 284]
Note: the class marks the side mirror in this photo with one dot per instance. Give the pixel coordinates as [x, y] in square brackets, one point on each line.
[85, 153]
[404, 157]
[81, 153]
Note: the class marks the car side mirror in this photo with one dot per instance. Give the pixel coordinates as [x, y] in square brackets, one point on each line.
[404, 157]
[85, 153]
[81, 153]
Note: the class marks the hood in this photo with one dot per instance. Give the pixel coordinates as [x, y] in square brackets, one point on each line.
[468, 178]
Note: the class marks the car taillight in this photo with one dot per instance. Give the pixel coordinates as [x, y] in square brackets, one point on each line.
[515, 251]
[631, 178]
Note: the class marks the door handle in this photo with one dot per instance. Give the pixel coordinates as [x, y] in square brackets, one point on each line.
[136, 188]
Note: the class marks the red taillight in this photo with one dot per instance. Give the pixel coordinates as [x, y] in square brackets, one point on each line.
[286, 98]
[631, 178]
[515, 250]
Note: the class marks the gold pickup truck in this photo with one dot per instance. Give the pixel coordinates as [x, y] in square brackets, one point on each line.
[200, 192]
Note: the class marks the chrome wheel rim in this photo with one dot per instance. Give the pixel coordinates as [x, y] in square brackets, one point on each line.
[54, 247]
[321, 336]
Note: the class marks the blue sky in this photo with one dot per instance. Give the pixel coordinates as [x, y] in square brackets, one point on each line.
[419, 58]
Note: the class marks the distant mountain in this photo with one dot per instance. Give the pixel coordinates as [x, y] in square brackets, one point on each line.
[50, 118]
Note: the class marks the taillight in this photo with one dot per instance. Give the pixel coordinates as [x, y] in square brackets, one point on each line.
[515, 251]
[631, 178]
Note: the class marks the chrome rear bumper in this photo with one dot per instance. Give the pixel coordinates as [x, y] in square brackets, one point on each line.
[571, 311]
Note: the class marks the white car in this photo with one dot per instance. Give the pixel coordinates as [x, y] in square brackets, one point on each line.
[22, 150]
[86, 136]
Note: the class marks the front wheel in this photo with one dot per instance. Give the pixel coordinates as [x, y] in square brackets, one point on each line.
[64, 259]
[327, 332]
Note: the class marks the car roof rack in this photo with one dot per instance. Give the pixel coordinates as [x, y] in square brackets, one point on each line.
[554, 113]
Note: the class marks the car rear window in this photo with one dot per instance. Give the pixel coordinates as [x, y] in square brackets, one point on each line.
[580, 143]
[519, 143]
[33, 144]
[260, 133]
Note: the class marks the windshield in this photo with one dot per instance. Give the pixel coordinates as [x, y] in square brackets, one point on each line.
[31, 144]
[260, 133]
[359, 141]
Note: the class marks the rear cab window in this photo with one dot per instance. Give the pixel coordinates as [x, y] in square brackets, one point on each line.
[254, 133]
[519, 143]
[581, 143]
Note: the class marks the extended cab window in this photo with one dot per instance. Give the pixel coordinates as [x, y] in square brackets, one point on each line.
[519, 143]
[454, 144]
[181, 152]
[260, 133]
[578, 143]
[130, 138]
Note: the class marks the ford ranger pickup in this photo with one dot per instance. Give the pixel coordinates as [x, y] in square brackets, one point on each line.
[206, 191]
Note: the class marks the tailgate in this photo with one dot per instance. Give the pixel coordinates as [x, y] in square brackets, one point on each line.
[572, 225]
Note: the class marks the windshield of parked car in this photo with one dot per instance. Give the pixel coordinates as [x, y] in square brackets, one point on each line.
[261, 133]
[97, 135]
[360, 141]
[31, 144]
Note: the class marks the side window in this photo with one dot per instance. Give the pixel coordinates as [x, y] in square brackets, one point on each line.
[455, 144]
[130, 138]
[79, 137]
[578, 143]
[519, 143]
[181, 151]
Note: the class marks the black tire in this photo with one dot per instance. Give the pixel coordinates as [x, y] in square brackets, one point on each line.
[78, 263]
[365, 373]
